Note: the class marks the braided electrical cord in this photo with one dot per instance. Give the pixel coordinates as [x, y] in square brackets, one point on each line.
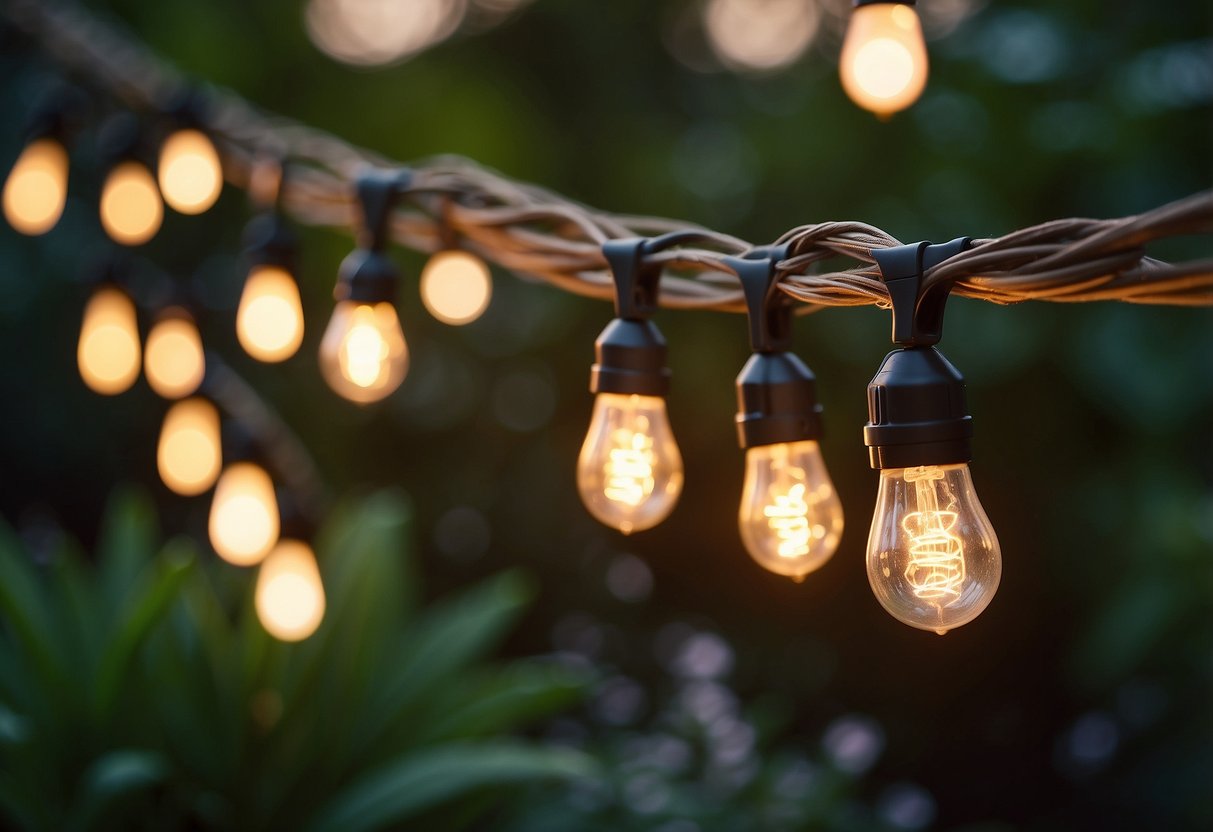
[528, 229]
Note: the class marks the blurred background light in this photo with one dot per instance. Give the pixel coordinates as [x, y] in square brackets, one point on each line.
[760, 35]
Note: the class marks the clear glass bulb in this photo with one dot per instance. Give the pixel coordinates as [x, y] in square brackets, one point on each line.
[290, 595]
[791, 517]
[243, 523]
[36, 188]
[188, 455]
[174, 360]
[884, 58]
[456, 287]
[933, 559]
[630, 471]
[131, 209]
[363, 354]
[189, 172]
[108, 351]
[269, 320]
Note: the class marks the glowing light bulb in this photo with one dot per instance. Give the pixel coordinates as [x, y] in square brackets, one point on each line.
[363, 354]
[131, 210]
[36, 188]
[244, 514]
[269, 321]
[174, 360]
[188, 455]
[290, 595]
[108, 350]
[933, 559]
[456, 287]
[191, 176]
[884, 58]
[791, 517]
[630, 471]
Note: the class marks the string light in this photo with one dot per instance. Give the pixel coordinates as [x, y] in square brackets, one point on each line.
[174, 360]
[790, 518]
[629, 472]
[269, 319]
[243, 524]
[189, 453]
[189, 170]
[363, 354]
[36, 188]
[884, 57]
[290, 595]
[108, 351]
[933, 559]
[456, 286]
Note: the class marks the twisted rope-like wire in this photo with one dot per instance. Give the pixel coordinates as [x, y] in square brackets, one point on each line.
[528, 229]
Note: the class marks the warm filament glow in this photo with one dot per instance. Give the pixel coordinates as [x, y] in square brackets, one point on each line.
[933, 559]
[363, 353]
[629, 473]
[174, 360]
[190, 174]
[884, 58]
[108, 350]
[188, 454]
[269, 321]
[244, 514]
[937, 565]
[456, 287]
[36, 188]
[790, 517]
[290, 595]
[131, 210]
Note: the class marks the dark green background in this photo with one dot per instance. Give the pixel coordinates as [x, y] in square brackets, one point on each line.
[1093, 422]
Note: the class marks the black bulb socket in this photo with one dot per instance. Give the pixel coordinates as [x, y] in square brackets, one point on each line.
[916, 412]
[630, 358]
[776, 401]
[269, 241]
[367, 276]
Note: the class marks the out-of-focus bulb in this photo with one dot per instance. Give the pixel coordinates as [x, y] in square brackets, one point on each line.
[933, 559]
[36, 187]
[791, 517]
[131, 209]
[189, 453]
[190, 174]
[269, 321]
[174, 360]
[363, 354]
[456, 287]
[108, 350]
[244, 514]
[630, 471]
[290, 595]
[884, 57]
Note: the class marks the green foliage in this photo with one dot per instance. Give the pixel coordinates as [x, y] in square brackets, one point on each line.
[141, 693]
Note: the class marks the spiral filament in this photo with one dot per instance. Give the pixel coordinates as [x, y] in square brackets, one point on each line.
[629, 470]
[936, 569]
[786, 518]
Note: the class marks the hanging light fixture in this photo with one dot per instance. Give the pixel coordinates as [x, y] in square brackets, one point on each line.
[108, 350]
[174, 360]
[933, 559]
[790, 517]
[363, 354]
[189, 171]
[269, 319]
[629, 472]
[35, 190]
[131, 209]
